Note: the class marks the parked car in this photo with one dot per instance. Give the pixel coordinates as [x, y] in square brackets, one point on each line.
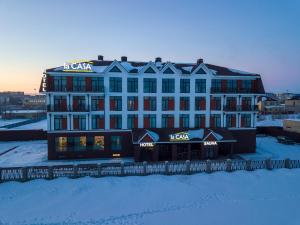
[285, 140]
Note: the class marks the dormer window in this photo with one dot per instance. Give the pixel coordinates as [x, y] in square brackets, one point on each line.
[200, 71]
[168, 71]
[115, 69]
[149, 70]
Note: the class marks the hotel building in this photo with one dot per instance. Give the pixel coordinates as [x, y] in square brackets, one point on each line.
[150, 110]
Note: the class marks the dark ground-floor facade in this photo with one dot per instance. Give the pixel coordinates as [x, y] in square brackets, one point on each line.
[152, 144]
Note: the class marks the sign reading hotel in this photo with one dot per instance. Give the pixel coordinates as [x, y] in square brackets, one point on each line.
[82, 66]
[44, 82]
[182, 136]
[147, 144]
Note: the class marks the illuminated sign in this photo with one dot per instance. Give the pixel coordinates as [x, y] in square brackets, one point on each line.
[44, 82]
[116, 155]
[182, 136]
[210, 143]
[147, 144]
[78, 66]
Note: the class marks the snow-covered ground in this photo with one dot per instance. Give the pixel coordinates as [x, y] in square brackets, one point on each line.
[268, 147]
[34, 153]
[33, 126]
[250, 198]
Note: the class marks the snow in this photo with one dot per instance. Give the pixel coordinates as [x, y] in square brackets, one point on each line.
[239, 71]
[42, 124]
[268, 147]
[249, 198]
[275, 120]
[34, 153]
[188, 68]
[26, 111]
[4, 122]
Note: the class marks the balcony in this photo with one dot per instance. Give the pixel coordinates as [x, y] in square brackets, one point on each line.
[240, 108]
[81, 108]
[57, 108]
[233, 90]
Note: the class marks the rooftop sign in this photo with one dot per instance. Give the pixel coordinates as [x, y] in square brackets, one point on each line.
[81, 66]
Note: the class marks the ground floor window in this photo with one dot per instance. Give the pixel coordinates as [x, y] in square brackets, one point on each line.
[210, 152]
[61, 144]
[116, 143]
[246, 120]
[95, 143]
[80, 143]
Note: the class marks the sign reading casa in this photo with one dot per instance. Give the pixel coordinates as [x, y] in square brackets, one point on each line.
[78, 66]
[182, 136]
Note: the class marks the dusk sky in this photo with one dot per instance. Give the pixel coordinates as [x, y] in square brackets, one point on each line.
[256, 36]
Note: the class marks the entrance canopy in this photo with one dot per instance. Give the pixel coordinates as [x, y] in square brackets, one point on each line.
[178, 135]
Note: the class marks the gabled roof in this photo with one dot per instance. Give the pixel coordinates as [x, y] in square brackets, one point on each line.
[99, 66]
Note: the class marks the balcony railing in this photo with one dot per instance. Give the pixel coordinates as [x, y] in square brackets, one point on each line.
[232, 90]
[69, 108]
[240, 108]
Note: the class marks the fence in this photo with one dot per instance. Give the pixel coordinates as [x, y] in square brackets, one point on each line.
[140, 169]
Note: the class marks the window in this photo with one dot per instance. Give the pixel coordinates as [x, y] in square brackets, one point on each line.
[216, 85]
[232, 86]
[215, 120]
[79, 122]
[245, 120]
[246, 85]
[61, 144]
[116, 143]
[184, 85]
[167, 103]
[168, 71]
[97, 103]
[167, 121]
[79, 143]
[115, 103]
[78, 83]
[150, 103]
[149, 70]
[200, 71]
[168, 85]
[200, 121]
[115, 84]
[115, 121]
[132, 121]
[184, 120]
[97, 121]
[60, 122]
[98, 143]
[79, 103]
[132, 85]
[98, 84]
[149, 85]
[115, 69]
[132, 103]
[60, 84]
[184, 103]
[200, 103]
[231, 104]
[150, 121]
[246, 104]
[230, 120]
[60, 103]
[200, 86]
[215, 103]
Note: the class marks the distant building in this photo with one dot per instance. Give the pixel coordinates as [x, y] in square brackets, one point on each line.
[292, 104]
[24, 114]
[34, 102]
[271, 105]
[292, 125]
